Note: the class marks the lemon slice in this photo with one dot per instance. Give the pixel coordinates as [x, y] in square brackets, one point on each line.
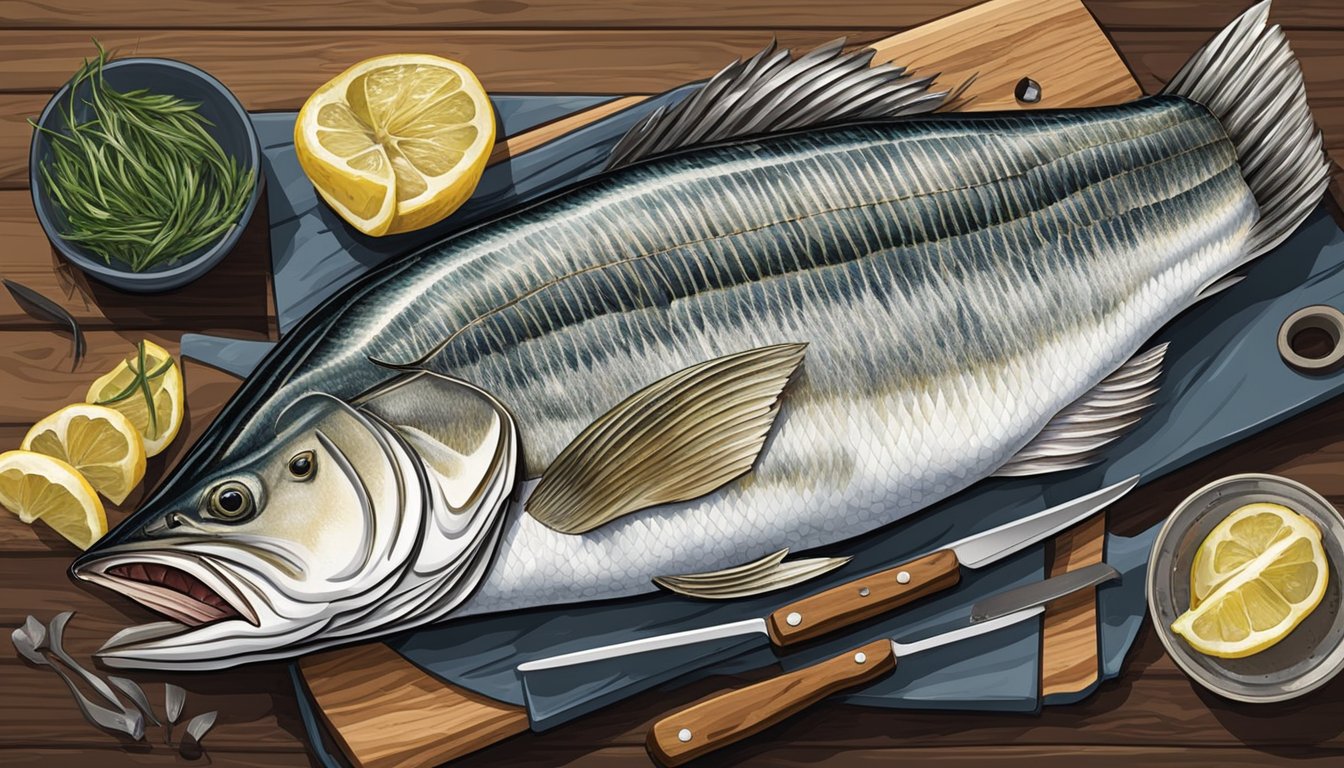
[1266, 597]
[1240, 538]
[396, 143]
[124, 389]
[35, 486]
[99, 442]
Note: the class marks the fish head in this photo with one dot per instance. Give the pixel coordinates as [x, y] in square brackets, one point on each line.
[273, 549]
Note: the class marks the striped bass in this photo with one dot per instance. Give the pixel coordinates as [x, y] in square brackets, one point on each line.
[761, 331]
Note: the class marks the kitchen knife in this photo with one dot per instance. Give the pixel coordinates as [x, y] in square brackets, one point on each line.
[729, 717]
[1041, 592]
[867, 596]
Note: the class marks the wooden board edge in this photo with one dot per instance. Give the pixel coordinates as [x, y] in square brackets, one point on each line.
[385, 712]
[1070, 660]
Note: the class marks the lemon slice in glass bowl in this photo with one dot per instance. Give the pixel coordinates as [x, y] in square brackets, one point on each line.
[396, 143]
[1267, 596]
[35, 486]
[1240, 538]
[99, 442]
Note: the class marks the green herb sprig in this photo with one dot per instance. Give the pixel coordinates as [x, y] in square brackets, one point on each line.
[140, 385]
[141, 180]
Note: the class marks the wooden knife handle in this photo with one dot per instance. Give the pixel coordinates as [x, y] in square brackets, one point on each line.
[863, 598]
[728, 717]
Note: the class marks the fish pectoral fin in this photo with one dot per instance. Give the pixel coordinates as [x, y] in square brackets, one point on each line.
[678, 438]
[461, 433]
[1075, 436]
[767, 574]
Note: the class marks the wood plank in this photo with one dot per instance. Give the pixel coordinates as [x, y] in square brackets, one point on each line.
[1069, 648]
[568, 14]
[1155, 55]
[38, 366]
[44, 756]
[234, 298]
[634, 62]
[256, 705]
[1022, 32]
[783, 755]
[366, 695]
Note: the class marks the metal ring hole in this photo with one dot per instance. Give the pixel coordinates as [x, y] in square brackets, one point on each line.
[1309, 340]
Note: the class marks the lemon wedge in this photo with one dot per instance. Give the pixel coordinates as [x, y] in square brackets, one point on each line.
[99, 442]
[148, 376]
[35, 486]
[396, 143]
[1240, 538]
[1261, 598]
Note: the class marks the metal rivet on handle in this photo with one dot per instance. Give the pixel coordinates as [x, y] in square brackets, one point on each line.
[860, 657]
[863, 591]
[903, 577]
[684, 735]
[794, 619]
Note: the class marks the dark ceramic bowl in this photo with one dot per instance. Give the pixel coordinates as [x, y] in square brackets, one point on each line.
[1310, 655]
[231, 128]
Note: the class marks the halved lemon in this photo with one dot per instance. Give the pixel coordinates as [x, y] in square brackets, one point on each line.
[396, 143]
[99, 442]
[35, 486]
[149, 375]
[1267, 596]
[1240, 538]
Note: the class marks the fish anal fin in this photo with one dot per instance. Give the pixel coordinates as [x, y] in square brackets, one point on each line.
[766, 574]
[678, 438]
[1075, 436]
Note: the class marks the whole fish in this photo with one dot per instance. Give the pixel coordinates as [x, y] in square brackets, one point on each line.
[713, 353]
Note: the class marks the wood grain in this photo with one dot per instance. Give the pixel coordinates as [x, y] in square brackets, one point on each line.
[729, 717]
[864, 598]
[1069, 647]
[373, 700]
[332, 15]
[1152, 716]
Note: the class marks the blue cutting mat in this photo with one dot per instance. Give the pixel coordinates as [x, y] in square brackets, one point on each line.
[1224, 382]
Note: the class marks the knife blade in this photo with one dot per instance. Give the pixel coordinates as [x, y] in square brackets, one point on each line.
[729, 717]
[867, 596]
[725, 718]
[1041, 592]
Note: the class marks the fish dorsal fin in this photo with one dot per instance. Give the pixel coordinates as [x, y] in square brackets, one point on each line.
[678, 438]
[767, 574]
[461, 433]
[1075, 436]
[773, 92]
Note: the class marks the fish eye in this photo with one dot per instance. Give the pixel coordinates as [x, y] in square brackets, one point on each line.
[231, 501]
[301, 466]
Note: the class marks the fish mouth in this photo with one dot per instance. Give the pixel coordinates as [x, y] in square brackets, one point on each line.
[181, 589]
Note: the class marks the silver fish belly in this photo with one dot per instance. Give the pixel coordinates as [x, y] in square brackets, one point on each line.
[957, 281]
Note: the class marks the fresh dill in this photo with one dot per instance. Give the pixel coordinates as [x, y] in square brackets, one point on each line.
[140, 181]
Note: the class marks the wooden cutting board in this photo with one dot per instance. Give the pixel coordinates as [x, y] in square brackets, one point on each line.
[387, 713]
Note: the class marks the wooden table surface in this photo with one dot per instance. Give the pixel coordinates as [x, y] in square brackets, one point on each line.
[273, 54]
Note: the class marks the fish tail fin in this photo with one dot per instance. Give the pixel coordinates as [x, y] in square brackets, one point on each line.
[1250, 80]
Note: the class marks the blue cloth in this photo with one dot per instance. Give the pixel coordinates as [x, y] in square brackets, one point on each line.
[1224, 381]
